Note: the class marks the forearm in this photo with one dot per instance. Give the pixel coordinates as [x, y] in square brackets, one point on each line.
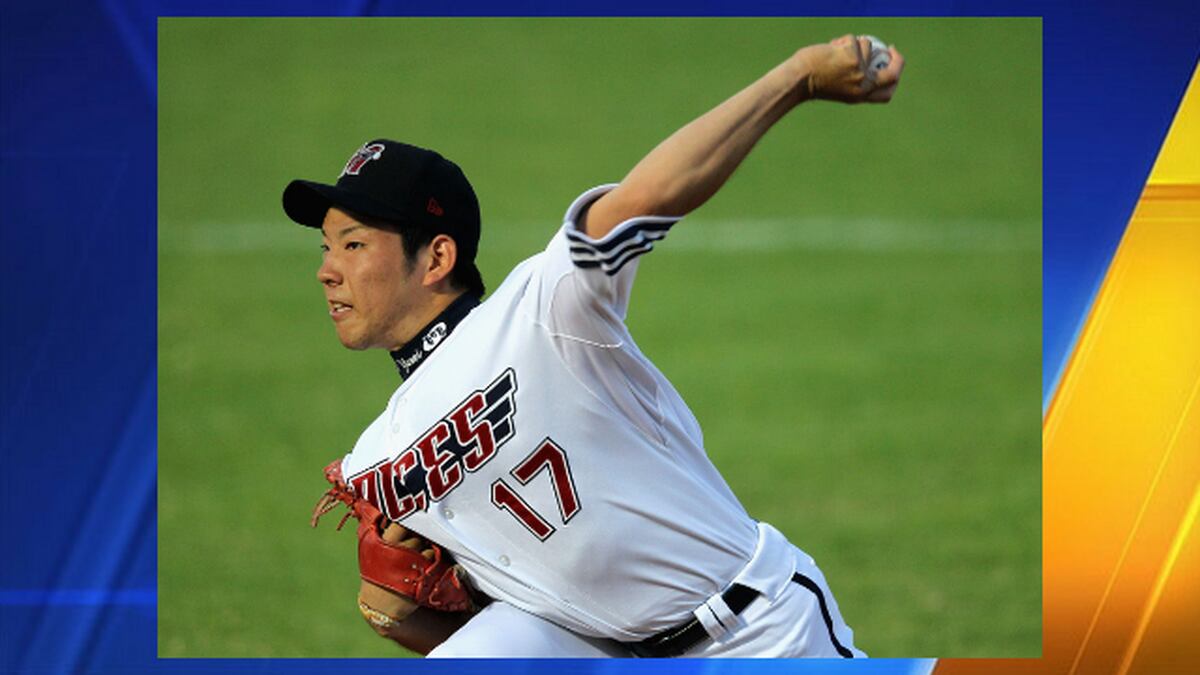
[424, 629]
[688, 168]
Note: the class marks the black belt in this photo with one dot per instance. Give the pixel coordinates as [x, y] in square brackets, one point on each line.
[678, 640]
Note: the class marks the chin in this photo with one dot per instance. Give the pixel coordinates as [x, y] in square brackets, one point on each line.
[354, 342]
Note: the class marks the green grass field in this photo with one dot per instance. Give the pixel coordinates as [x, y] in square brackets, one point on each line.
[855, 319]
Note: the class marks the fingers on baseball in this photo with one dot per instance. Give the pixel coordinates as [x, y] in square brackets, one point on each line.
[863, 50]
[882, 95]
[889, 78]
[891, 74]
[856, 52]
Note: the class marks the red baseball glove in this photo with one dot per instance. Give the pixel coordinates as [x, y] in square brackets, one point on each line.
[400, 560]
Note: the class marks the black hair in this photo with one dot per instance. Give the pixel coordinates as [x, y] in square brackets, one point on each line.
[464, 277]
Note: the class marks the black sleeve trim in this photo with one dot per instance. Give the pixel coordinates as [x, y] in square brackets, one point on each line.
[630, 240]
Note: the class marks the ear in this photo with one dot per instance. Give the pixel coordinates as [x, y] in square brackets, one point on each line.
[443, 253]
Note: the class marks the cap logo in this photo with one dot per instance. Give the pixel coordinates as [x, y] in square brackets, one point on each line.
[360, 158]
[434, 207]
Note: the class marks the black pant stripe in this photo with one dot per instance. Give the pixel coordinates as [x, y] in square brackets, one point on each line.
[812, 586]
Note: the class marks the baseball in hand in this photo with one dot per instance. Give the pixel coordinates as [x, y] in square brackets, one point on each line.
[880, 56]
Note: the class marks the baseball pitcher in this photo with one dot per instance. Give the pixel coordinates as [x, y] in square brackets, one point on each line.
[535, 486]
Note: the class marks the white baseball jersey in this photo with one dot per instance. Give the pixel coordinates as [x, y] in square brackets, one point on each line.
[538, 445]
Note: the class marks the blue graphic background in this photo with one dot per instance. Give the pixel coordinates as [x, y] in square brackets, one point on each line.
[78, 144]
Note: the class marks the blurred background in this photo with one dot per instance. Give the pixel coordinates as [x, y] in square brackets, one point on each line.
[854, 319]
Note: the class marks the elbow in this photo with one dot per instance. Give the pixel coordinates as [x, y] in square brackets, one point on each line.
[641, 199]
[630, 200]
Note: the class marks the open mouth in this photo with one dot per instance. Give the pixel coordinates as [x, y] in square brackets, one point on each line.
[339, 309]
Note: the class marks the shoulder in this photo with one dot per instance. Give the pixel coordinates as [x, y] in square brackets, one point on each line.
[518, 278]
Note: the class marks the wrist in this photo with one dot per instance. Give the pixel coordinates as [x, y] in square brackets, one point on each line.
[390, 623]
[380, 621]
[382, 607]
[801, 75]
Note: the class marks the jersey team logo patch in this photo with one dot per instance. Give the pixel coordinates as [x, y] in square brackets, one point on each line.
[461, 442]
[360, 158]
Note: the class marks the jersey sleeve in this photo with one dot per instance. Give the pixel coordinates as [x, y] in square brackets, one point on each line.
[590, 280]
[618, 249]
[582, 295]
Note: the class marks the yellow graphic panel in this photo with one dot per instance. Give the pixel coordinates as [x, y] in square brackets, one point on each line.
[1121, 449]
[1179, 160]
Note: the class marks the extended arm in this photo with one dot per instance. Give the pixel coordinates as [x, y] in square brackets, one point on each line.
[688, 168]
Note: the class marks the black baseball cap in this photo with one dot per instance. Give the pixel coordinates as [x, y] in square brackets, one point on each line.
[395, 182]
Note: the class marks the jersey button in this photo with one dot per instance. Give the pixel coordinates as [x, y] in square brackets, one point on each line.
[504, 561]
[448, 513]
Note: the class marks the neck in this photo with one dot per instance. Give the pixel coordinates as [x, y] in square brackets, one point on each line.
[417, 325]
[413, 353]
